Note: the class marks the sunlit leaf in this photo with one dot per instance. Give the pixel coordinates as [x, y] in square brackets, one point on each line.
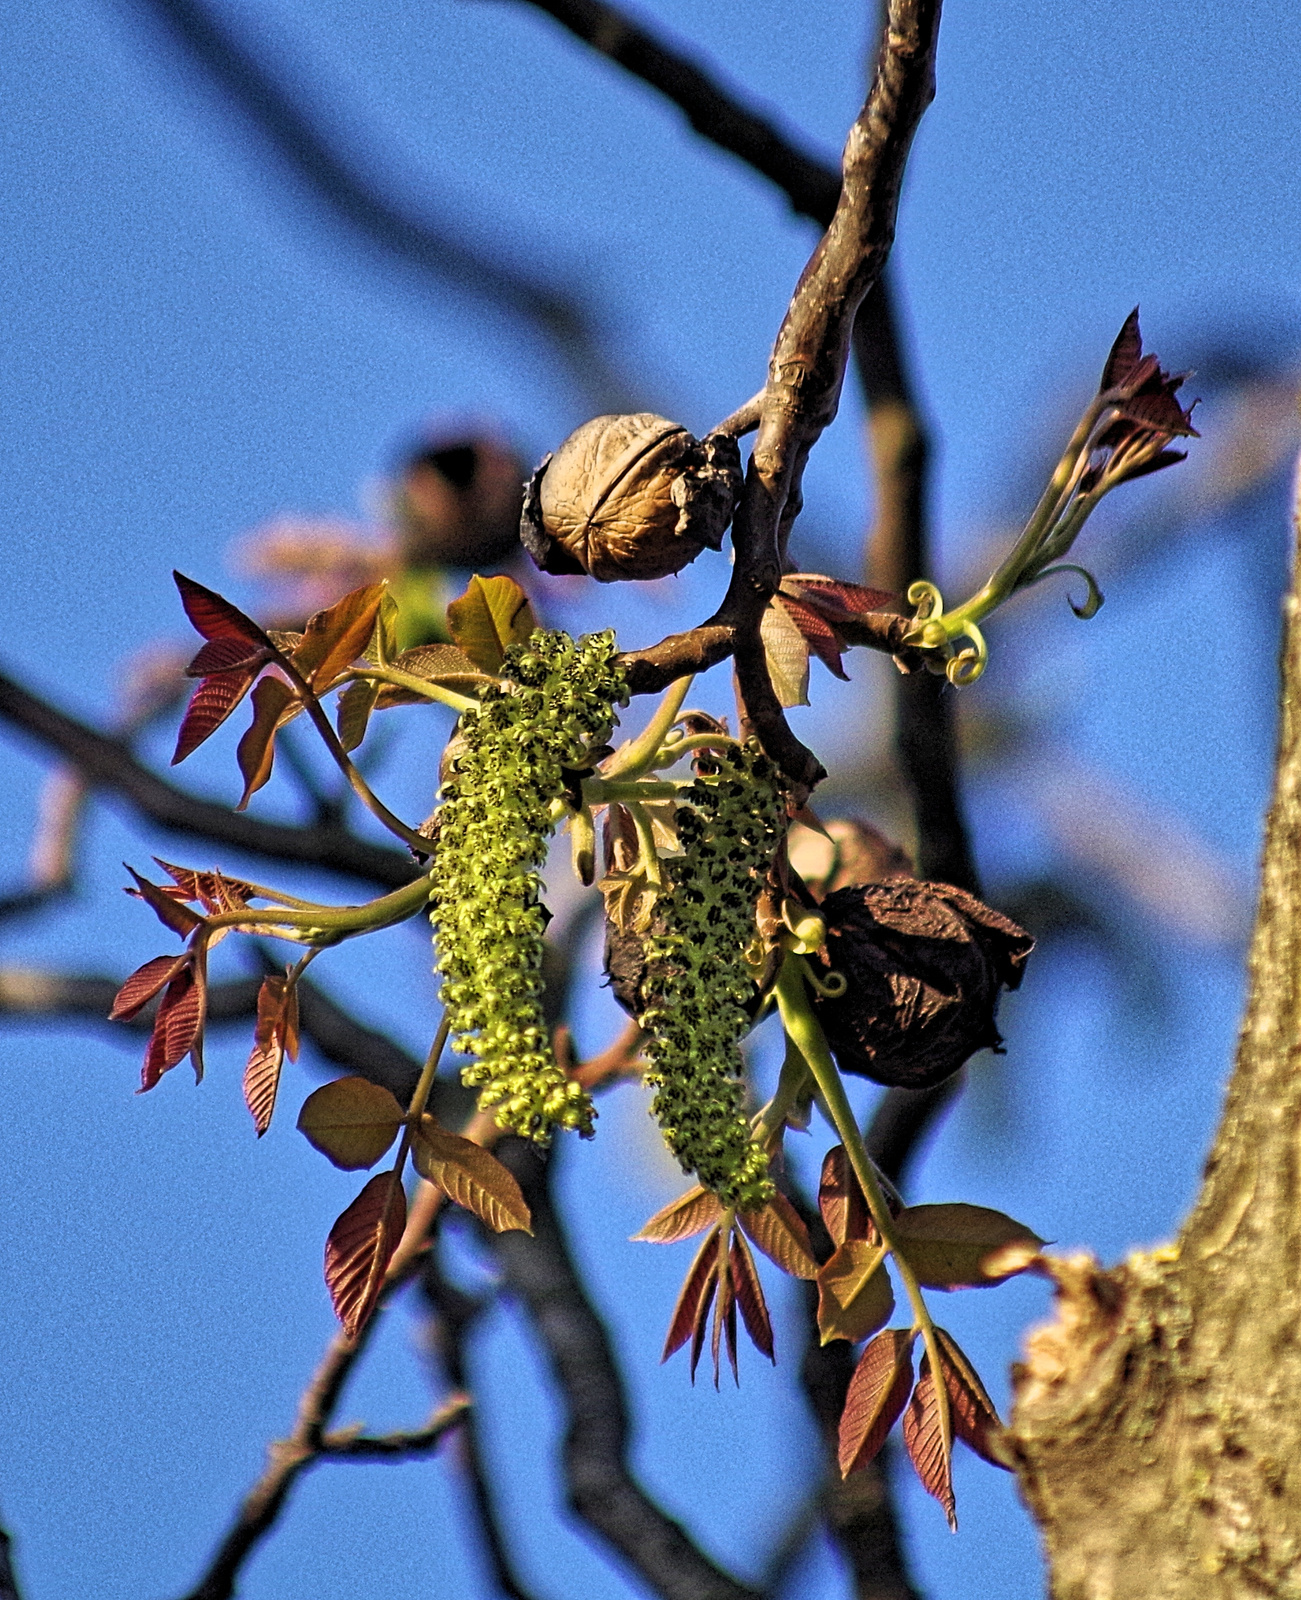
[177, 1028]
[213, 616]
[749, 1297]
[818, 634]
[351, 1121]
[724, 1323]
[336, 637]
[143, 984]
[779, 1232]
[854, 1293]
[470, 1176]
[787, 654]
[878, 1392]
[443, 664]
[682, 1217]
[962, 1246]
[276, 1036]
[360, 1247]
[697, 1284]
[492, 615]
[924, 1439]
[975, 1420]
[213, 890]
[274, 704]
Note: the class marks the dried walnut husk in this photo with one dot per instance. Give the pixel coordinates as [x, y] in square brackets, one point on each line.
[924, 965]
[632, 496]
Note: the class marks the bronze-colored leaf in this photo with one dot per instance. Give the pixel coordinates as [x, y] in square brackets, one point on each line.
[178, 1027]
[353, 713]
[854, 1293]
[227, 655]
[213, 890]
[682, 1217]
[878, 1392]
[360, 1247]
[975, 1420]
[841, 1199]
[819, 636]
[492, 615]
[924, 1439]
[698, 1284]
[786, 652]
[351, 1121]
[336, 637]
[274, 704]
[143, 984]
[749, 1297]
[838, 602]
[276, 1036]
[210, 705]
[779, 1232]
[471, 1176]
[724, 1322]
[213, 616]
[962, 1246]
[172, 913]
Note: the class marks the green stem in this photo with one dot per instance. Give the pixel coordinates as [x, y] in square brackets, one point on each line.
[420, 686]
[422, 1091]
[340, 922]
[639, 757]
[806, 1032]
[597, 792]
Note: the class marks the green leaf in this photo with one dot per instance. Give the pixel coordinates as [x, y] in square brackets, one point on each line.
[492, 615]
[353, 715]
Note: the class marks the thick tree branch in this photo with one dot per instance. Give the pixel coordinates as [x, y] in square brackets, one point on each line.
[108, 764]
[434, 247]
[600, 1488]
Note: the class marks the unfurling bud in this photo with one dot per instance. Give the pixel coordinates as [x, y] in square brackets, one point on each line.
[924, 964]
[630, 497]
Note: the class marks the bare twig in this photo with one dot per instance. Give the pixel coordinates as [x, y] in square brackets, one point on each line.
[600, 1488]
[433, 246]
[108, 764]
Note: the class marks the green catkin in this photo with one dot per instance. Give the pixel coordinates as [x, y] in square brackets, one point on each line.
[514, 746]
[698, 985]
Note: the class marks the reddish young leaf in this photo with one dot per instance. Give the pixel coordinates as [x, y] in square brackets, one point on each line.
[924, 1440]
[749, 1297]
[841, 1200]
[681, 1218]
[212, 702]
[822, 639]
[470, 1176]
[975, 1420]
[276, 1037]
[336, 637]
[836, 601]
[143, 984]
[1125, 355]
[169, 911]
[724, 1323]
[226, 655]
[360, 1247]
[274, 704]
[213, 890]
[779, 1232]
[877, 1394]
[215, 617]
[697, 1289]
[178, 1027]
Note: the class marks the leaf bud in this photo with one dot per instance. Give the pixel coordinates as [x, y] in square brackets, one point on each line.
[924, 965]
[632, 496]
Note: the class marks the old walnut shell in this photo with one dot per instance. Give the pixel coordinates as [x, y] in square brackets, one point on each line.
[630, 497]
[924, 965]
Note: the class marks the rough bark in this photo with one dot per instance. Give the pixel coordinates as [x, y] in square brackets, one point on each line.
[1157, 1430]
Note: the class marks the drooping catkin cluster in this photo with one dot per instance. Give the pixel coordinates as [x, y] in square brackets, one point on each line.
[512, 752]
[698, 985]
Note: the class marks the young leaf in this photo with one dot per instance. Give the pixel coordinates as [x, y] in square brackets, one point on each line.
[839, 603]
[724, 1322]
[749, 1298]
[682, 1217]
[962, 1246]
[697, 1291]
[178, 1027]
[351, 1121]
[854, 1293]
[226, 655]
[336, 637]
[877, 1394]
[444, 664]
[212, 702]
[841, 1201]
[355, 706]
[779, 1232]
[975, 1421]
[492, 615]
[169, 911]
[818, 634]
[276, 1036]
[143, 984]
[924, 1440]
[213, 890]
[274, 704]
[471, 1176]
[215, 617]
[360, 1247]
[786, 653]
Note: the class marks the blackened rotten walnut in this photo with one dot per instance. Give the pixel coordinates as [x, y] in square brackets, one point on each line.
[630, 497]
[924, 965]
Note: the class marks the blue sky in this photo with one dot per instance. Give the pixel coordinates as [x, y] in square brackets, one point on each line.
[194, 346]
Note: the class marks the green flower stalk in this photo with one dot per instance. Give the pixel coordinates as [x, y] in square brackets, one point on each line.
[516, 753]
[698, 985]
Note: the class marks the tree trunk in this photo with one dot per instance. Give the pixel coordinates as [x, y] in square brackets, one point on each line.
[1157, 1421]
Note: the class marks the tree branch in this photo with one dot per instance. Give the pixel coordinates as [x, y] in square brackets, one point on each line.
[108, 764]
